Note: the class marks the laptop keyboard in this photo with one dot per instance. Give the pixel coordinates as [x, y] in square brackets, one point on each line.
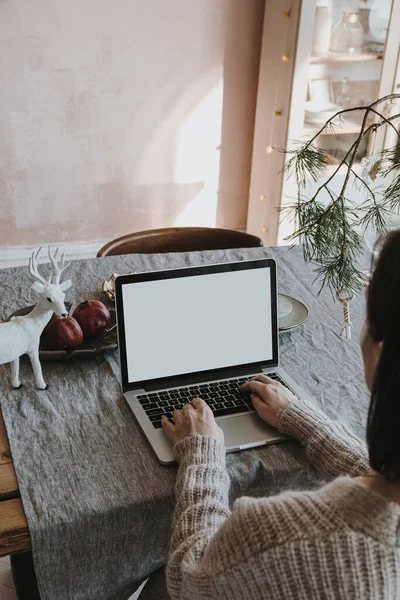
[223, 397]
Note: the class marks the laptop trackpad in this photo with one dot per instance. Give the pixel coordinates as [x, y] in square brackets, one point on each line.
[247, 431]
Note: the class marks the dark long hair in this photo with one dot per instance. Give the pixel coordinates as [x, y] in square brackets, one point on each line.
[383, 316]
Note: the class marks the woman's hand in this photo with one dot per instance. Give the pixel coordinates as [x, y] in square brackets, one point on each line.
[268, 397]
[194, 419]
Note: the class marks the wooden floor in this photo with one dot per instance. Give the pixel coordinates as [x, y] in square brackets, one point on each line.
[7, 586]
[6, 582]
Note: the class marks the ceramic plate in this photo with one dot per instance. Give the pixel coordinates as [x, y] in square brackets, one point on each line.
[106, 342]
[284, 306]
[295, 317]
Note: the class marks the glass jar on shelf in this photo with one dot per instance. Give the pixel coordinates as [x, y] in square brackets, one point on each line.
[348, 36]
[343, 98]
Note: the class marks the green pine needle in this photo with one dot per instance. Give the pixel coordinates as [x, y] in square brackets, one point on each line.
[307, 163]
[390, 160]
[391, 195]
[328, 231]
[375, 216]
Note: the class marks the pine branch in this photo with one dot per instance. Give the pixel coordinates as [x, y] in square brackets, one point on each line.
[307, 162]
[374, 127]
[327, 230]
[385, 120]
[390, 160]
[391, 195]
[361, 180]
[358, 108]
[376, 216]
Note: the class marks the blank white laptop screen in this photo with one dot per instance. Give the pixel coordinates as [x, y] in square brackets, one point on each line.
[190, 324]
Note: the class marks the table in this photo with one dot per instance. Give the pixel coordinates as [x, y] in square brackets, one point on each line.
[14, 532]
[117, 502]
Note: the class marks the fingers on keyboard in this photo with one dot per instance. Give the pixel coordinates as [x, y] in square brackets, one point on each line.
[224, 398]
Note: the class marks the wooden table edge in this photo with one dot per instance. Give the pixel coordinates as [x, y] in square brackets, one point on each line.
[14, 532]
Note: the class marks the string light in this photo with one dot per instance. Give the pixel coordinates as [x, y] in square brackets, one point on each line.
[285, 58]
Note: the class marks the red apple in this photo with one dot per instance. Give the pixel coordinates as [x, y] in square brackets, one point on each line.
[93, 317]
[63, 333]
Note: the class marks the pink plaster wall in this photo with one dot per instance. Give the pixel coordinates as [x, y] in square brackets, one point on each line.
[122, 116]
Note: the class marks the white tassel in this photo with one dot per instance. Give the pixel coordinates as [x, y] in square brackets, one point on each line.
[344, 297]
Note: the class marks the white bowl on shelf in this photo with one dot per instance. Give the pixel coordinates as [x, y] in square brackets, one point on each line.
[318, 113]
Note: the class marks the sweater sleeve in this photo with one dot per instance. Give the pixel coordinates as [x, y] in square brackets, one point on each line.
[330, 446]
[202, 505]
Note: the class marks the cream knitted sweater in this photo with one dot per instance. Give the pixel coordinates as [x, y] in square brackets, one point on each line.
[342, 541]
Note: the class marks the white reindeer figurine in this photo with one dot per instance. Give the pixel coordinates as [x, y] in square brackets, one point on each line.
[21, 335]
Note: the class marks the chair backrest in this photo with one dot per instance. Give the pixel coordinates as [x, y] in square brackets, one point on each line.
[179, 239]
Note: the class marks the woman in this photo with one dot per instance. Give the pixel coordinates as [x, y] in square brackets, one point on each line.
[342, 541]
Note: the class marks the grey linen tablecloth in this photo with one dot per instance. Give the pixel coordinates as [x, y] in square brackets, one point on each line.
[98, 503]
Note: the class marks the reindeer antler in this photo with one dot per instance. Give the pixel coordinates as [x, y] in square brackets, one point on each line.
[33, 268]
[57, 268]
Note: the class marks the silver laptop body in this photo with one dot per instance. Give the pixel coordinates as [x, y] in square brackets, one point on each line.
[192, 328]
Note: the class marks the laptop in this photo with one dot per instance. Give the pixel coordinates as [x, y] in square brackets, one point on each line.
[199, 332]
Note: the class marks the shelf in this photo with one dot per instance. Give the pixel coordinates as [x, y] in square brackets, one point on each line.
[338, 57]
[334, 162]
[347, 128]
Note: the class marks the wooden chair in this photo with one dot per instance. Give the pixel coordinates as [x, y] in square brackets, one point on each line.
[179, 239]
